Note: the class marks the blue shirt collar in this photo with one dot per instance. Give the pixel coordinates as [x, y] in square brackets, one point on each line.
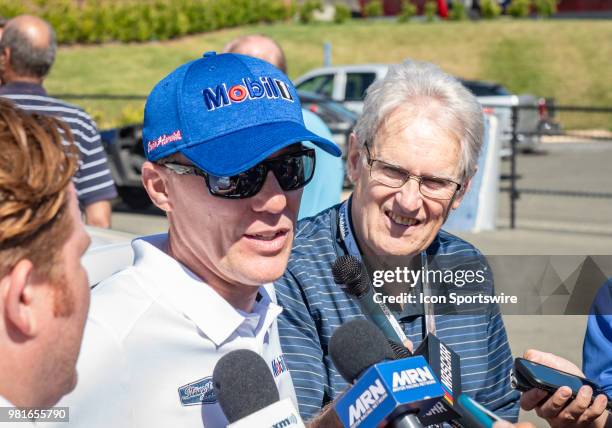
[23, 88]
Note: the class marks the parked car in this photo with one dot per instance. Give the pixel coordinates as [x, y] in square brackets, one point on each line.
[347, 84]
[126, 154]
[339, 119]
[109, 252]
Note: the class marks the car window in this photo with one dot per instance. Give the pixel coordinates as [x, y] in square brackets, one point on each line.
[322, 85]
[356, 85]
[341, 111]
[485, 90]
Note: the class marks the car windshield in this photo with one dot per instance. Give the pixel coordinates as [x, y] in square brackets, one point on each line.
[482, 89]
[332, 106]
[341, 110]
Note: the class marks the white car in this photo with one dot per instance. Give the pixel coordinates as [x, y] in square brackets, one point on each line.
[110, 251]
[347, 84]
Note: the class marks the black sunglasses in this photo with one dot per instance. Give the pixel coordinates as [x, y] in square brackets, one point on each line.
[292, 171]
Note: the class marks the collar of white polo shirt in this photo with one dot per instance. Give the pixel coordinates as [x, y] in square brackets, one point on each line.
[177, 285]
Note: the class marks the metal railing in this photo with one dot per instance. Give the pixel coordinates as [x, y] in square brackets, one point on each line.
[513, 190]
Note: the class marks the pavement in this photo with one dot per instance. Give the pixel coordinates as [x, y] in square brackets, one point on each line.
[547, 224]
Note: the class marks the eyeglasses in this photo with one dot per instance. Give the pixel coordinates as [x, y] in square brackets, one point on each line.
[292, 171]
[394, 176]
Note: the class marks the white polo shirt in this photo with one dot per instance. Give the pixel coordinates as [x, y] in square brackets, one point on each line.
[154, 334]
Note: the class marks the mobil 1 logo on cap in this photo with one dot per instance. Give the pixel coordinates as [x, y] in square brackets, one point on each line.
[247, 90]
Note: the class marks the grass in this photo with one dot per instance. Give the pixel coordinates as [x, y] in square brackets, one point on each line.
[565, 59]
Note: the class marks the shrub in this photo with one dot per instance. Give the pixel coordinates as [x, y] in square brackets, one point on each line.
[9, 8]
[89, 21]
[430, 10]
[342, 13]
[373, 8]
[519, 8]
[132, 113]
[272, 10]
[545, 8]
[306, 15]
[489, 9]
[408, 11]
[458, 12]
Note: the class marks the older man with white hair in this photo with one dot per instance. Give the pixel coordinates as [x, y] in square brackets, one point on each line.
[411, 158]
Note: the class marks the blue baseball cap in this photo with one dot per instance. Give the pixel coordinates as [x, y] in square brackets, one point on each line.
[225, 113]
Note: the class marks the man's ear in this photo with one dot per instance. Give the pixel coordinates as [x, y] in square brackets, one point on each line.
[155, 182]
[464, 189]
[18, 298]
[4, 59]
[353, 159]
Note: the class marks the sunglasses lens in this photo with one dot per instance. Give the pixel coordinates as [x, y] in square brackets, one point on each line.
[295, 170]
[243, 185]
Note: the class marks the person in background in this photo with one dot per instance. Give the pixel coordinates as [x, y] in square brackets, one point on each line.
[27, 52]
[559, 409]
[325, 189]
[44, 292]
[411, 157]
[597, 350]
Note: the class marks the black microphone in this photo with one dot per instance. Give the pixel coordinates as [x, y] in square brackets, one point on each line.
[350, 272]
[386, 392]
[446, 364]
[247, 393]
[474, 414]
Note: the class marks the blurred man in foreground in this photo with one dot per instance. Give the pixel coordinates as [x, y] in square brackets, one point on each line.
[325, 188]
[222, 135]
[44, 294]
[411, 157]
[27, 52]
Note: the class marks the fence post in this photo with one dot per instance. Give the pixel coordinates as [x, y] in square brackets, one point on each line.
[513, 144]
[327, 54]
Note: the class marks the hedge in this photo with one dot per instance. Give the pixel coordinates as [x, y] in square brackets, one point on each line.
[88, 21]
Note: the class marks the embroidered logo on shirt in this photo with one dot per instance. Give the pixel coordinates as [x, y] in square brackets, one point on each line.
[198, 392]
[278, 365]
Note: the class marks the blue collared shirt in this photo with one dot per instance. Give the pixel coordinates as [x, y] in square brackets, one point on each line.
[314, 306]
[597, 351]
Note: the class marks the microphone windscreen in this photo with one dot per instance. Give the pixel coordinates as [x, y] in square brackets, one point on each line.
[351, 272]
[356, 346]
[243, 384]
[399, 350]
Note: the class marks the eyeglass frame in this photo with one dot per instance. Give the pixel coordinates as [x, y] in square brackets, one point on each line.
[182, 169]
[370, 161]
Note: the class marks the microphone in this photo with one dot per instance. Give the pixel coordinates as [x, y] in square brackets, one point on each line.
[385, 392]
[247, 393]
[350, 272]
[474, 414]
[446, 365]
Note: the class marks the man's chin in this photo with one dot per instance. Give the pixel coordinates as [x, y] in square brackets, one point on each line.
[72, 383]
[266, 277]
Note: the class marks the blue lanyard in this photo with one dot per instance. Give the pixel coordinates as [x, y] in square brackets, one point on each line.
[346, 230]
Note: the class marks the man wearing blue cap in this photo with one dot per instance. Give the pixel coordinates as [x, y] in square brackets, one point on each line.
[222, 135]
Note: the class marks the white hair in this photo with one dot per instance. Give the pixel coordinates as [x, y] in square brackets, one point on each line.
[416, 84]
